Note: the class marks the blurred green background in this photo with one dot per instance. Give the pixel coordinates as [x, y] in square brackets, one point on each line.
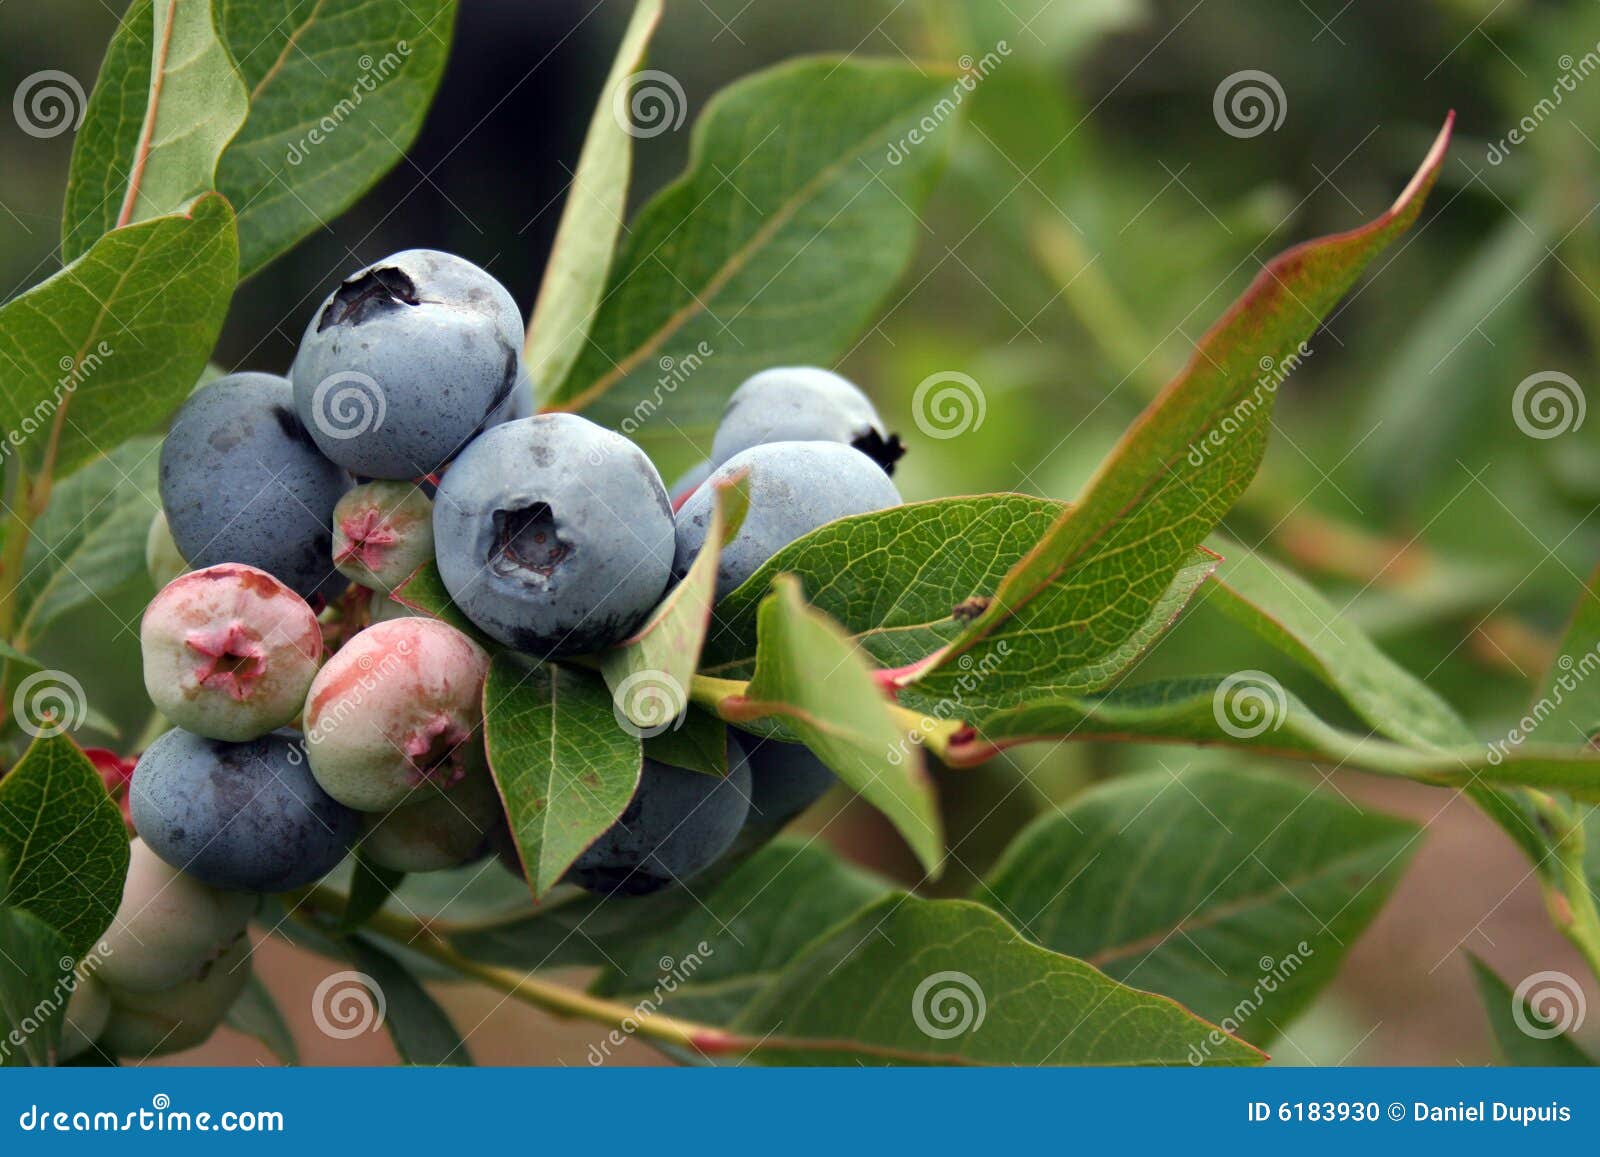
[1096, 217]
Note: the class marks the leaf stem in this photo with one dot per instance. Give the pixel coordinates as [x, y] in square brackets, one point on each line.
[1570, 901]
[542, 994]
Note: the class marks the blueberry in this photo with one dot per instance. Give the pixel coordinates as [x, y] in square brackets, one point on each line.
[382, 532]
[242, 481]
[229, 651]
[437, 833]
[794, 488]
[399, 707]
[554, 535]
[785, 779]
[246, 817]
[146, 1024]
[405, 362]
[677, 824]
[803, 404]
[169, 926]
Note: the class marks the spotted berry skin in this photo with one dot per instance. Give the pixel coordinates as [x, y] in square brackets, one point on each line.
[677, 824]
[406, 362]
[243, 817]
[794, 487]
[169, 926]
[554, 535]
[147, 1024]
[242, 481]
[229, 652]
[382, 532]
[803, 404]
[398, 710]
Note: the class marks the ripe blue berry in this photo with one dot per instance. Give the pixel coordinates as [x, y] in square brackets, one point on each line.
[245, 817]
[785, 779]
[554, 535]
[677, 824]
[405, 362]
[242, 481]
[794, 488]
[803, 404]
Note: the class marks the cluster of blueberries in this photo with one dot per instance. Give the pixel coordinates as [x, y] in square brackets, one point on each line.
[404, 434]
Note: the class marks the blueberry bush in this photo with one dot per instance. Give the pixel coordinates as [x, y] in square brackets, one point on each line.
[449, 686]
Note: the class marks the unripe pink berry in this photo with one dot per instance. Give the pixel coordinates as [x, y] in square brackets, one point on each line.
[396, 710]
[382, 532]
[229, 652]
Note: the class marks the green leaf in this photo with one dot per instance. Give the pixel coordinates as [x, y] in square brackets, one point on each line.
[698, 743]
[1523, 1034]
[811, 676]
[1250, 710]
[1173, 475]
[743, 933]
[776, 247]
[90, 539]
[597, 201]
[10, 654]
[566, 770]
[913, 981]
[1236, 894]
[420, 1029]
[1056, 30]
[335, 91]
[109, 346]
[65, 841]
[371, 885]
[256, 1015]
[35, 963]
[167, 103]
[424, 591]
[649, 674]
[338, 91]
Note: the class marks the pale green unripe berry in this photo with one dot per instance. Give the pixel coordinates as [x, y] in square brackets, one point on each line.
[88, 1010]
[169, 927]
[434, 834]
[145, 1024]
[382, 532]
